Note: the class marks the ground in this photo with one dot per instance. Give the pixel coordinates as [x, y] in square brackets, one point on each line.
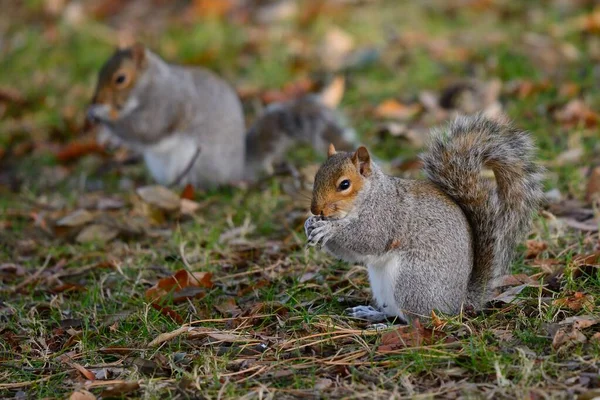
[110, 287]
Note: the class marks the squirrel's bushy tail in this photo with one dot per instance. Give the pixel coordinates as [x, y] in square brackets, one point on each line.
[499, 213]
[303, 120]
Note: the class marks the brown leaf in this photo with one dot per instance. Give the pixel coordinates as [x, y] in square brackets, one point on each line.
[189, 207]
[188, 192]
[290, 91]
[510, 294]
[332, 95]
[567, 338]
[68, 287]
[503, 335]
[576, 112]
[89, 375]
[160, 197]
[335, 48]
[210, 8]
[576, 302]
[11, 95]
[168, 312]
[75, 150]
[393, 109]
[592, 259]
[75, 219]
[534, 248]
[592, 192]
[580, 321]
[120, 389]
[82, 394]
[228, 307]
[516, 280]
[180, 280]
[11, 271]
[414, 335]
[97, 233]
[590, 23]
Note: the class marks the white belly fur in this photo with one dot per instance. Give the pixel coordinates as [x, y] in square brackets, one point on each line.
[169, 158]
[382, 275]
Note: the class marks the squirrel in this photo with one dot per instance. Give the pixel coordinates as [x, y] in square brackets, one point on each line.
[188, 123]
[435, 244]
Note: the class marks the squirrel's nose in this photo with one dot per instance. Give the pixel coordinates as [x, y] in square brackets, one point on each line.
[315, 210]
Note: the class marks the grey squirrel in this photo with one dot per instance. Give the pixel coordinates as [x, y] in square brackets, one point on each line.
[189, 125]
[435, 244]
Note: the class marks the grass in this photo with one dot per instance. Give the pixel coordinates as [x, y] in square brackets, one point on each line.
[273, 324]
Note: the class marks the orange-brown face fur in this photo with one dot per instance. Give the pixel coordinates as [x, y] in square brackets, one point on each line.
[332, 196]
[118, 77]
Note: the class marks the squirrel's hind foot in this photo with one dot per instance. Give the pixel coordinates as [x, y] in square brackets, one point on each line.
[373, 315]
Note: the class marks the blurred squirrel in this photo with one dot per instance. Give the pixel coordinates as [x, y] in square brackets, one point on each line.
[434, 244]
[189, 125]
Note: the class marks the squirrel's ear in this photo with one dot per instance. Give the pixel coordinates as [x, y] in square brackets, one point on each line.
[138, 51]
[362, 160]
[331, 151]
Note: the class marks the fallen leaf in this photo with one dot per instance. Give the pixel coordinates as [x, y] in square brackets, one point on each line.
[188, 192]
[511, 294]
[567, 338]
[82, 394]
[503, 335]
[592, 259]
[414, 335]
[534, 248]
[323, 384]
[436, 321]
[570, 156]
[97, 233]
[119, 389]
[569, 89]
[585, 323]
[576, 112]
[393, 109]
[180, 280]
[189, 207]
[335, 48]
[332, 95]
[203, 9]
[516, 280]
[292, 90]
[576, 302]
[592, 192]
[590, 23]
[75, 150]
[75, 219]
[228, 307]
[89, 375]
[160, 197]
[580, 321]
[9, 271]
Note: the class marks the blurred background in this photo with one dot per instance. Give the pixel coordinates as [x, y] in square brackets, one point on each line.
[407, 65]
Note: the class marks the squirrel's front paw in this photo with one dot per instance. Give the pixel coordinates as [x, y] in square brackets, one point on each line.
[318, 231]
[309, 224]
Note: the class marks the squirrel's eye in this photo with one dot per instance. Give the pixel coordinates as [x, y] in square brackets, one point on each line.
[120, 79]
[345, 184]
